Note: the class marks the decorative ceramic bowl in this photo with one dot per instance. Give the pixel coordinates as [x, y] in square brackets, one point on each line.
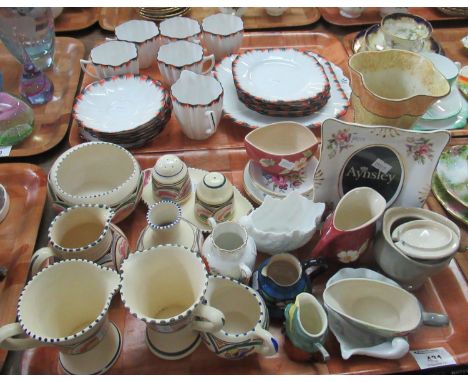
[381, 92]
[281, 148]
[405, 31]
[96, 173]
[282, 225]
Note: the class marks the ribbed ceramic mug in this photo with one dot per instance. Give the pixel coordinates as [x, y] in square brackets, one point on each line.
[164, 286]
[179, 28]
[198, 104]
[177, 56]
[65, 306]
[112, 58]
[145, 35]
[246, 320]
[222, 34]
[84, 232]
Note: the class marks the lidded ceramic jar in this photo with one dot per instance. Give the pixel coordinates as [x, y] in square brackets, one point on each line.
[170, 179]
[214, 198]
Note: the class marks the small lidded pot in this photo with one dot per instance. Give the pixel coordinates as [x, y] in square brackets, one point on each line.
[170, 179]
[214, 198]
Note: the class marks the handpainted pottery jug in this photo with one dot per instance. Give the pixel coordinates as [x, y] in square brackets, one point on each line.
[164, 286]
[347, 232]
[84, 232]
[393, 87]
[170, 179]
[281, 278]
[230, 251]
[167, 226]
[65, 306]
[306, 328]
[214, 198]
[246, 320]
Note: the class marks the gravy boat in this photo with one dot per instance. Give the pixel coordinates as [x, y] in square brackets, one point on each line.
[394, 87]
[379, 308]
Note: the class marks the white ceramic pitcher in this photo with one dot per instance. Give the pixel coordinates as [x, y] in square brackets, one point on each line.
[198, 104]
[65, 305]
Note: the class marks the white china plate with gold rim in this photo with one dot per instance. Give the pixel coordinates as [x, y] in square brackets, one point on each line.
[395, 162]
[234, 109]
[354, 341]
[242, 206]
[281, 185]
[284, 75]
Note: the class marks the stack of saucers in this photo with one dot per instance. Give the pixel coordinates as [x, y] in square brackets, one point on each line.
[127, 110]
[280, 82]
[450, 182]
[161, 13]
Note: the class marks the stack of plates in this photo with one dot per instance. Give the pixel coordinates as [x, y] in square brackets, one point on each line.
[450, 182]
[280, 82]
[158, 14]
[372, 39]
[454, 11]
[240, 114]
[127, 110]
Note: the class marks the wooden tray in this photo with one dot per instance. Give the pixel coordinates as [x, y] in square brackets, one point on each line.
[445, 292]
[50, 120]
[26, 185]
[254, 18]
[449, 38]
[75, 19]
[229, 135]
[371, 15]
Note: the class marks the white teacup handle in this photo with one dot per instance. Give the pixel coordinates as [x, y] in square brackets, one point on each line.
[270, 343]
[38, 259]
[83, 64]
[213, 319]
[211, 120]
[246, 272]
[210, 58]
[16, 344]
[212, 222]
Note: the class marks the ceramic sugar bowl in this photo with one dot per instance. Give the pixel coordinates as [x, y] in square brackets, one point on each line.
[170, 179]
[230, 251]
[214, 198]
[282, 277]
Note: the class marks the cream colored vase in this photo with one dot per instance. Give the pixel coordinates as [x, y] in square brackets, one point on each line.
[393, 87]
[84, 232]
[65, 306]
[164, 286]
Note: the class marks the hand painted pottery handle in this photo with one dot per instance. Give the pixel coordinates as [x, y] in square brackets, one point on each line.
[208, 319]
[323, 351]
[320, 264]
[83, 64]
[328, 235]
[16, 344]
[269, 346]
[211, 59]
[38, 259]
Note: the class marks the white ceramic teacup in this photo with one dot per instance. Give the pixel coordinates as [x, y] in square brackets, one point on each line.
[145, 35]
[175, 57]
[65, 306]
[179, 28]
[198, 104]
[246, 320]
[222, 34]
[112, 58]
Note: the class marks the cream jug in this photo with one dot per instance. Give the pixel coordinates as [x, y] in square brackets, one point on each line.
[65, 306]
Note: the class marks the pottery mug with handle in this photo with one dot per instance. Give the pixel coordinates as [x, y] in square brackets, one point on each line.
[348, 231]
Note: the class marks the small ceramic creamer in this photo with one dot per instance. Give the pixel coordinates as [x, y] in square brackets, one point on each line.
[230, 251]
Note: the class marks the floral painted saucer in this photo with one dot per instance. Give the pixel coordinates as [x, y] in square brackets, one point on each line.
[452, 171]
[242, 206]
[450, 204]
[281, 185]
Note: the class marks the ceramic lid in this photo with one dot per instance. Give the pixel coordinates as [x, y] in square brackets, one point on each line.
[169, 169]
[214, 189]
[425, 239]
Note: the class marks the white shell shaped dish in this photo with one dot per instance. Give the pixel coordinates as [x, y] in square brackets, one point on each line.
[354, 341]
[234, 109]
[119, 103]
[242, 206]
[282, 225]
[286, 75]
[425, 240]
[281, 185]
